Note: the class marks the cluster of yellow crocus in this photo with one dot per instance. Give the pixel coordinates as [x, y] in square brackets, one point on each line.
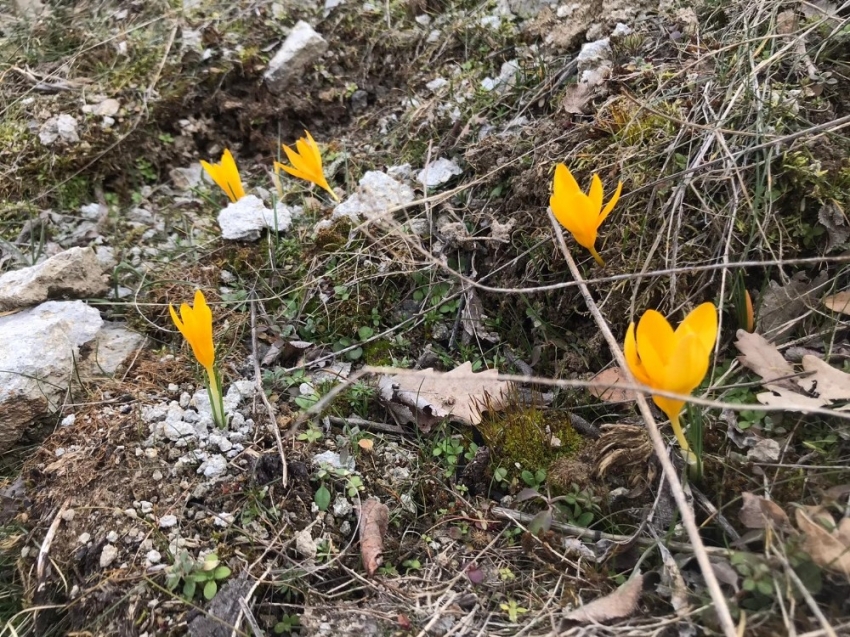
[306, 164]
[660, 357]
[195, 324]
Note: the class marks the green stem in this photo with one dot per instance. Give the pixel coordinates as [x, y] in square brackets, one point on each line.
[216, 399]
[597, 257]
[689, 455]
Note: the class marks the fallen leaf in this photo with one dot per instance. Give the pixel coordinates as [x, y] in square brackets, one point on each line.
[616, 605]
[760, 513]
[828, 550]
[607, 386]
[789, 401]
[725, 572]
[782, 305]
[839, 302]
[576, 97]
[764, 359]
[473, 321]
[826, 382]
[673, 583]
[832, 217]
[427, 397]
[374, 519]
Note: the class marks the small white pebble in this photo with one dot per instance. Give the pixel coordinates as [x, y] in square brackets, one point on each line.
[223, 519]
[59, 452]
[108, 555]
[154, 556]
[167, 521]
[146, 506]
[173, 388]
[25, 551]
[157, 475]
[151, 453]
[68, 420]
[112, 537]
[68, 514]
[131, 513]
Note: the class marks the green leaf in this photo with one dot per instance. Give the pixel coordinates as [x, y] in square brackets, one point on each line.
[585, 519]
[765, 587]
[749, 585]
[365, 332]
[210, 589]
[222, 572]
[322, 498]
[355, 354]
[189, 588]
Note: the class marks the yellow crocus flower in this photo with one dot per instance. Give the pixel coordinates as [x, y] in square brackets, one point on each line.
[306, 163]
[226, 175]
[580, 213]
[195, 324]
[673, 361]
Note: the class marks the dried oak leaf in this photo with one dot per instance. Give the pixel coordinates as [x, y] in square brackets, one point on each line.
[429, 396]
[829, 550]
[826, 382]
[764, 359]
[374, 518]
[616, 605]
[608, 387]
[839, 302]
[790, 401]
[760, 513]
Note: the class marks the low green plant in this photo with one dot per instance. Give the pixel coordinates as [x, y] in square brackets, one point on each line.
[203, 574]
[287, 624]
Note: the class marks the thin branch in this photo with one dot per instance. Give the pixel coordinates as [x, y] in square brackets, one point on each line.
[687, 514]
[258, 381]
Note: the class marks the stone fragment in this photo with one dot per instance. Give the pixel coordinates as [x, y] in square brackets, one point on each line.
[108, 555]
[246, 219]
[301, 49]
[73, 274]
[59, 127]
[438, 172]
[376, 194]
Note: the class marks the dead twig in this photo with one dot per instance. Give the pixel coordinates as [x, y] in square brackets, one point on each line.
[688, 520]
[258, 380]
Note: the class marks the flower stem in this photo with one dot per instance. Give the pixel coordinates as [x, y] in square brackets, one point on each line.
[689, 455]
[597, 257]
[216, 399]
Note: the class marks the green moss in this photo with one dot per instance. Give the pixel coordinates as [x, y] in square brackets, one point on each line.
[528, 437]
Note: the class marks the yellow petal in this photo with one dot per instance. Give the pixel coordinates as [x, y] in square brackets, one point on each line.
[595, 198]
[611, 203]
[632, 359]
[574, 213]
[298, 162]
[314, 147]
[702, 321]
[231, 176]
[654, 345]
[298, 174]
[687, 366]
[670, 406]
[176, 319]
[565, 183]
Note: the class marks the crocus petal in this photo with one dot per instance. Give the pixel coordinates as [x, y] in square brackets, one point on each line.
[314, 147]
[632, 359]
[309, 156]
[654, 344]
[670, 406]
[687, 366]
[565, 183]
[298, 162]
[595, 197]
[292, 171]
[702, 321]
[611, 203]
[572, 212]
[231, 176]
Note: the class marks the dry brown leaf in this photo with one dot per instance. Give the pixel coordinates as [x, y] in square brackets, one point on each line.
[374, 519]
[576, 98]
[826, 382]
[828, 550]
[607, 388]
[428, 396]
[760, 513]
[789, 401]
[764, 359]
[621, 603]
[839, 302]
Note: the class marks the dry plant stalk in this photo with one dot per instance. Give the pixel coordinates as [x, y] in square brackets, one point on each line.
[670, 474]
